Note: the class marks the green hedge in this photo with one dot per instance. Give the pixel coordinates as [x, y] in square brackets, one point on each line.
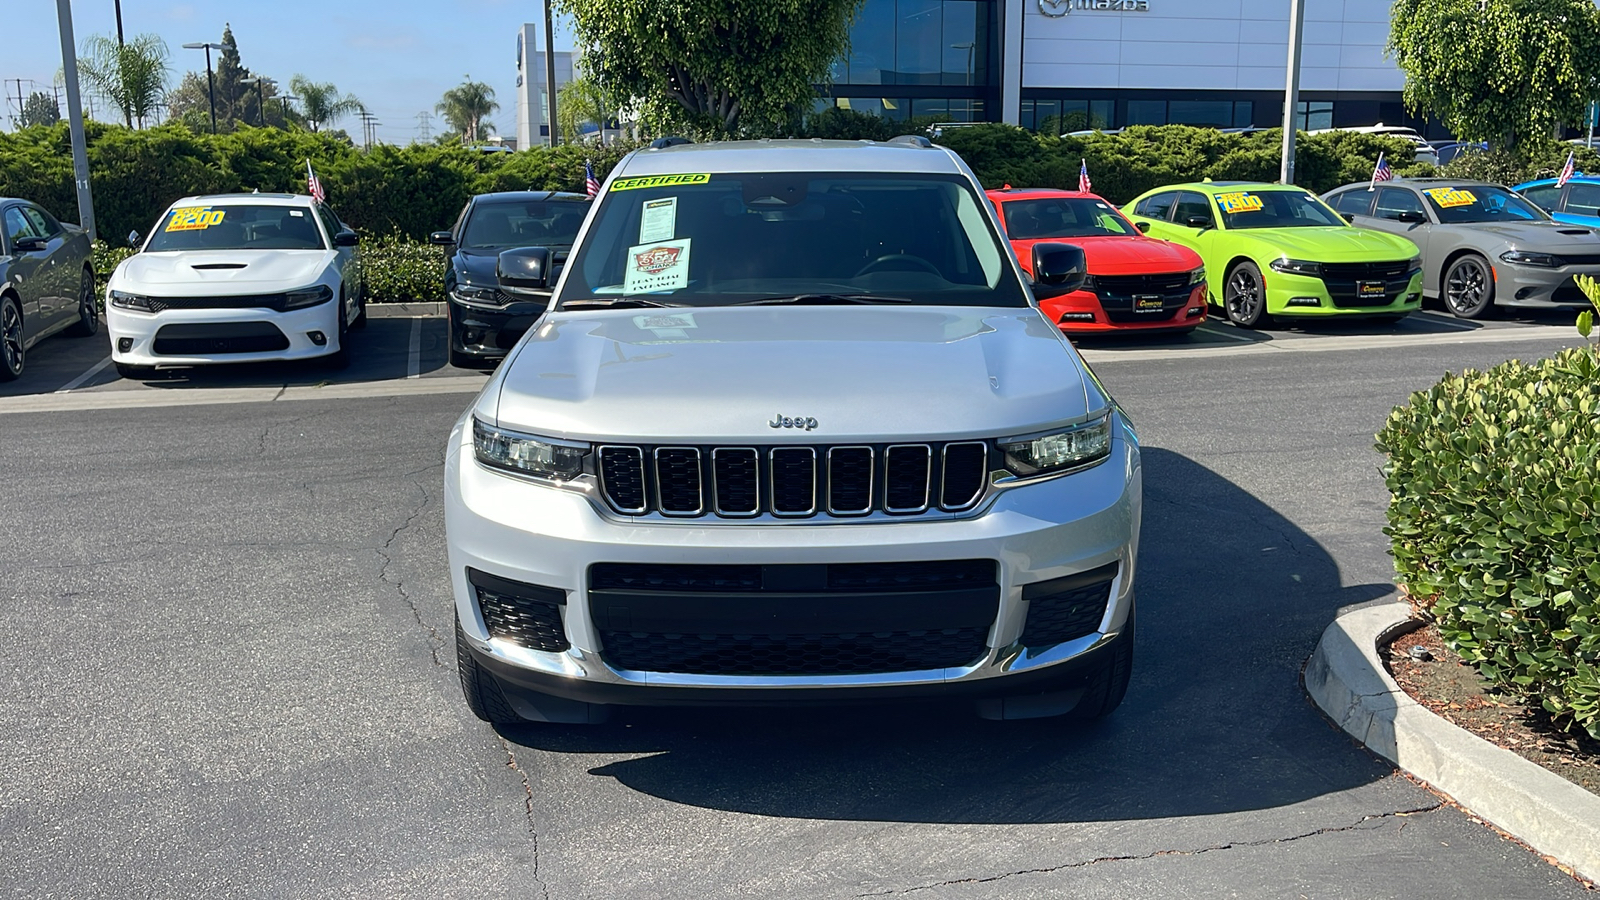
[1495, 484]
[397, 270]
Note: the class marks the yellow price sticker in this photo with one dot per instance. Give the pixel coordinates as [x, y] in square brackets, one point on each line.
[650, 181]
[194, 218]
[1449, 197]
[1239, 202]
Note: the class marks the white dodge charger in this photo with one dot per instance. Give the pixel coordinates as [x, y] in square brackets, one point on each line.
[236, 278]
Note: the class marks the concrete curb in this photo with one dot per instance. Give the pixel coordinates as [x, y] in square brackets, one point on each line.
[1348, 681]
[420, 310]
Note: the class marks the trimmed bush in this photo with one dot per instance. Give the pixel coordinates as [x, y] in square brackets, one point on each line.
[1495, 484]
[398, 270]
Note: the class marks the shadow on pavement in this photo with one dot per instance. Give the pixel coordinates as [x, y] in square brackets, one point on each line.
[1232, 598]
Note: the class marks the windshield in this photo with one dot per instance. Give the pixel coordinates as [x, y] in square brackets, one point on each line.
[717, 240]
[501, 224]
[1480, 203]
[1276, 209]
[236, 227]
[1062, 217]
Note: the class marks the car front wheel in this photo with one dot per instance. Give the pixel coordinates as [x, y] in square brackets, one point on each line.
[1244, 296]
[88, 323]
[13, 352]
[1469, 287]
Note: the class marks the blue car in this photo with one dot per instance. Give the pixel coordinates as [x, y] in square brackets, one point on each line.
[1578, 203]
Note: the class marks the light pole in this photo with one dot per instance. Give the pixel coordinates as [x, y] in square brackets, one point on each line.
[286, 98]
[550, 72]
[211, 79]
[1291, 94]
[969, 46]
[80, 153]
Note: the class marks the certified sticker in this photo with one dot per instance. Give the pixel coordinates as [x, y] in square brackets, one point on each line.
[662, 266]
[650, 181]
[1449, 197]
[1239, 201]
[194, 218]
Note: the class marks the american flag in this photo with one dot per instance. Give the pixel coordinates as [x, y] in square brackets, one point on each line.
[1567, 171]
[314, 185]
[591, 184]
[1381, 172]
[1083, 177]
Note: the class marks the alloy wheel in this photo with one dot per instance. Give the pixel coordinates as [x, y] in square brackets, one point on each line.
[11, 349]
[1467, 290]
[1243, 297]
[88, 310]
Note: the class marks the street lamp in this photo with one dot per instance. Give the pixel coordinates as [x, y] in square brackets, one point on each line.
[286, 98]
[261, 82]
[211, 80]
[968, 46]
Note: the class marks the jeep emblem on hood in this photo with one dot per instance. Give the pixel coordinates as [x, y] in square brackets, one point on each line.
[793, 422]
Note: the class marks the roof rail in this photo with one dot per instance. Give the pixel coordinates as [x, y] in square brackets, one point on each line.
[915, 140]
[662, 143]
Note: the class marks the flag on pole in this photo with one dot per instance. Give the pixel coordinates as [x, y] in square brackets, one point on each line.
[591, 184]
[314, 185]
[1381, 172]
[1083, 177]
[1567, 171]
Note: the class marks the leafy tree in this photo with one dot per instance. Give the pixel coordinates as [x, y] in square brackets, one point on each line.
[131, 76]
[190, 103]
[584, 100]
[464, 107]
[1498, 70]
[40, 109]
[321, 103]
[720, 67]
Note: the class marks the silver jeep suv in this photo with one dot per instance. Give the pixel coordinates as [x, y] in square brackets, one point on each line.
[792, 430]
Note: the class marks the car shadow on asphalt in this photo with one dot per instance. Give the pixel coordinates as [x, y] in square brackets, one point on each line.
[1232, 599]
[379, 352]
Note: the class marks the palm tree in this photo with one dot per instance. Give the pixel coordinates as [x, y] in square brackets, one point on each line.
[464, 107]
[131, 76]
[583, 100]
[322, 103]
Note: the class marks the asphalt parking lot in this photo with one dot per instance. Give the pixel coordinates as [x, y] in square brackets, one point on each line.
[230, 673]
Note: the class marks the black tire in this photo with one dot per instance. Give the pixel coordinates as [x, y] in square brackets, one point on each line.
[13, 349]
[135, 373]
[1109, 683]
[88, 324]
[1244, 296]
[361, 310]
[340, 359]
[1468, 287]
[481, 691]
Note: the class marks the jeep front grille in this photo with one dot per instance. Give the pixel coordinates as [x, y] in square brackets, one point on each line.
[794, 482]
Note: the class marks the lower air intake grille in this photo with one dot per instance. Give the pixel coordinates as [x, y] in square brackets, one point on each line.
[527, 615]
[795, 654]
[1065, 609]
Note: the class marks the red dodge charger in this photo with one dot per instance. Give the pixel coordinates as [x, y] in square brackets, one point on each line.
[1135, 283]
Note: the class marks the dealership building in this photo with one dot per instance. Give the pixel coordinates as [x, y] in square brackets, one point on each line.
[1067, 65]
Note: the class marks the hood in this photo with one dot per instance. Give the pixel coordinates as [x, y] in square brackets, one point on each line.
[1120, 254]
[1328, 244]
[721, 375]
[1551, 237]
[198, 272]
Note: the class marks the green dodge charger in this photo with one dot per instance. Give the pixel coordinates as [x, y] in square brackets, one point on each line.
[1277, 250]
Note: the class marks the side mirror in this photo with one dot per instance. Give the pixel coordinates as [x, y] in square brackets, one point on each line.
[1412, 216]
[346, 239]
[523, 269]
[30, 244]
[1062, 267]
[1198, 222]
[133, 238]
[442, 238]
[1144, 227]
[1348, 217]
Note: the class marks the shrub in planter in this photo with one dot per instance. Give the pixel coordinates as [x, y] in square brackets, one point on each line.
[397, 270]
[1495, 484]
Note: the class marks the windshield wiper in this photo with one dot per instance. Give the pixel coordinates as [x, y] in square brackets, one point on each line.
[821, 299]
[609, 302]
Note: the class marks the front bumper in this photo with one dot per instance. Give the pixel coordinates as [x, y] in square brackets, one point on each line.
[1540, 288]
[489, 333]
[138, 332]
[1293, 295]
[544, 536]
[1083, 312]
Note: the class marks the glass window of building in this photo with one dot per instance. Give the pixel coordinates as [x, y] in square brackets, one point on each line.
[1244, 114]
[919, 33]
[1211, 113]
[1147, 112]
[1311, 115]
[964, 43]
[872, 44]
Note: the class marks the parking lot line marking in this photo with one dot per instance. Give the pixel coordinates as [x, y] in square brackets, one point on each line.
[1217, 332]
[1329, 343]
[1452, 323]
[78, 382]
[414, 361]
[147, 399]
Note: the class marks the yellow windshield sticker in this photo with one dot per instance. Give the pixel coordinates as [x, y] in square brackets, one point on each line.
[1448, 197]
[1239, 202]
[650, 181]
[194, 218]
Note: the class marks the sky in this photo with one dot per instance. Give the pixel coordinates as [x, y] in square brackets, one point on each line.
[398, 56]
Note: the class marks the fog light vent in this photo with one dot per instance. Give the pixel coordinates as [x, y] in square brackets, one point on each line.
[1077, 317]
[124, 345]
[1064, 609]
[1304, 301]
[317, 338]
[528, 615]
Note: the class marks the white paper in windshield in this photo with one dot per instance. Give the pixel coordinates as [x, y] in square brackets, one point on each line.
[658, 220]
[660, 266]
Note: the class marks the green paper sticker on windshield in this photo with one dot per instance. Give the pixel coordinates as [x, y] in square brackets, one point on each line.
[650, 181]
[1239, 201]
[194, 218]
[1449, 197]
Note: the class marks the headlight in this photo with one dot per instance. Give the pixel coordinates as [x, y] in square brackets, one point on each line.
[481, 296]
[1198, 276]
[527, 455]
[308, 297]
[1297, 267]
[1524, 258]
[1413, 265]
[125, 300]
[1071, 448]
